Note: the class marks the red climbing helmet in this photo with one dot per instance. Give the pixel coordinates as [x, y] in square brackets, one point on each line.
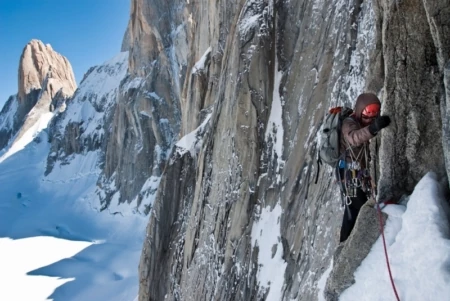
[371, 111]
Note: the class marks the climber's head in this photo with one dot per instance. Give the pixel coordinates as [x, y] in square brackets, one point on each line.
[369, 113]
[367, 108]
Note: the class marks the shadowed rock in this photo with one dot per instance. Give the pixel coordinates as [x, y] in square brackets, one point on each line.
[353, 251]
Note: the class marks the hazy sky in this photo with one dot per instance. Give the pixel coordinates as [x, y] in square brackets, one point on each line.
[86, 32]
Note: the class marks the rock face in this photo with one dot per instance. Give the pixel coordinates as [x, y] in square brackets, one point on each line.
[269, 70]
[353, 252]
[90, 124]
[208, 121]
[146, 121]
[45, 82]
[413, 71]
[42, 68]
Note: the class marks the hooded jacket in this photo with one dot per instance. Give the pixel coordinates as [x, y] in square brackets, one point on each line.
[354, 135]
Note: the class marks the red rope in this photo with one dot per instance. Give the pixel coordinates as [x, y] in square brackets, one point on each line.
[380, 218]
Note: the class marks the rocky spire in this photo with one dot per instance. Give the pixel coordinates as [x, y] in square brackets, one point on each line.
[45, 80]
[41, 67]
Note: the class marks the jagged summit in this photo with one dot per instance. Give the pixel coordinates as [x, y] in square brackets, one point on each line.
[39, 62]
[45, 81]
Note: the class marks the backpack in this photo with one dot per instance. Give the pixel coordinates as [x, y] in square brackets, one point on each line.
[330, 135]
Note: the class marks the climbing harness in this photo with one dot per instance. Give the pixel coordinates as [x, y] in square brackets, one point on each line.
[352, 176]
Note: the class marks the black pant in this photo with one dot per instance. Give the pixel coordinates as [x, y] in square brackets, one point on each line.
[351, 213]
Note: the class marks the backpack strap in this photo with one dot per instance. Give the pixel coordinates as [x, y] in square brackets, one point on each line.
[339, 178]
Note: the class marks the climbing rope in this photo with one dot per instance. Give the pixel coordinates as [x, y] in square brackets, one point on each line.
[380, 219]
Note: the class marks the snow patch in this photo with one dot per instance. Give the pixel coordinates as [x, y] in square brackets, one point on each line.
[154, 96]
[251, 17]
[266, 234]
[275, 130]
[149, 190]
[321, 283]
[134, 84]
[192, 141]
[200, 64]
[29, 135]
[21, 256]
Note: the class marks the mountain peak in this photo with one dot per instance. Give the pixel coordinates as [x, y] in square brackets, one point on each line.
[45, 82]
[38, 62]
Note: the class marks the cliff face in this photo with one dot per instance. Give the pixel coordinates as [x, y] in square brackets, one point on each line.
[208, 121]
[241, 202]
[40, 62]
[415, 55]
[45, 82]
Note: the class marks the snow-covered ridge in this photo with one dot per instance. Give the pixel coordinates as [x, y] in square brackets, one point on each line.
[28, 136]
[96, 93]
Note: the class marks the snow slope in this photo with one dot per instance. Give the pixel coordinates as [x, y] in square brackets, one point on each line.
[98, 253]
[29, 135]
[418, 245]
[95, 96]
[54, 242]
[418, 239]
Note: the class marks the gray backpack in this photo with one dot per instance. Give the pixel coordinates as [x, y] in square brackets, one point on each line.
[330, 135]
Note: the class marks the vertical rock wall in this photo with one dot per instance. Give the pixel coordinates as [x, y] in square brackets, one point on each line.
[438, 16]
[147, 117]
[413, 93]
[281, 66]
[268, 71]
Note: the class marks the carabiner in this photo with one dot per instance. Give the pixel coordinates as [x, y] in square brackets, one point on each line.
[348, 200]
[356, 182]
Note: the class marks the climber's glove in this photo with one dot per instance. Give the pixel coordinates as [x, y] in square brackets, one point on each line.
[379, 123]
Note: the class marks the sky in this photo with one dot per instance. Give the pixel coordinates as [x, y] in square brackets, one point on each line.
[86, 32]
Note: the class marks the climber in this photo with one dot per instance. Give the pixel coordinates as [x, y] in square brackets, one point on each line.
[353, 174]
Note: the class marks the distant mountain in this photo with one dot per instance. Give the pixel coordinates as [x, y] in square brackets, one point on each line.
[46, 81]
